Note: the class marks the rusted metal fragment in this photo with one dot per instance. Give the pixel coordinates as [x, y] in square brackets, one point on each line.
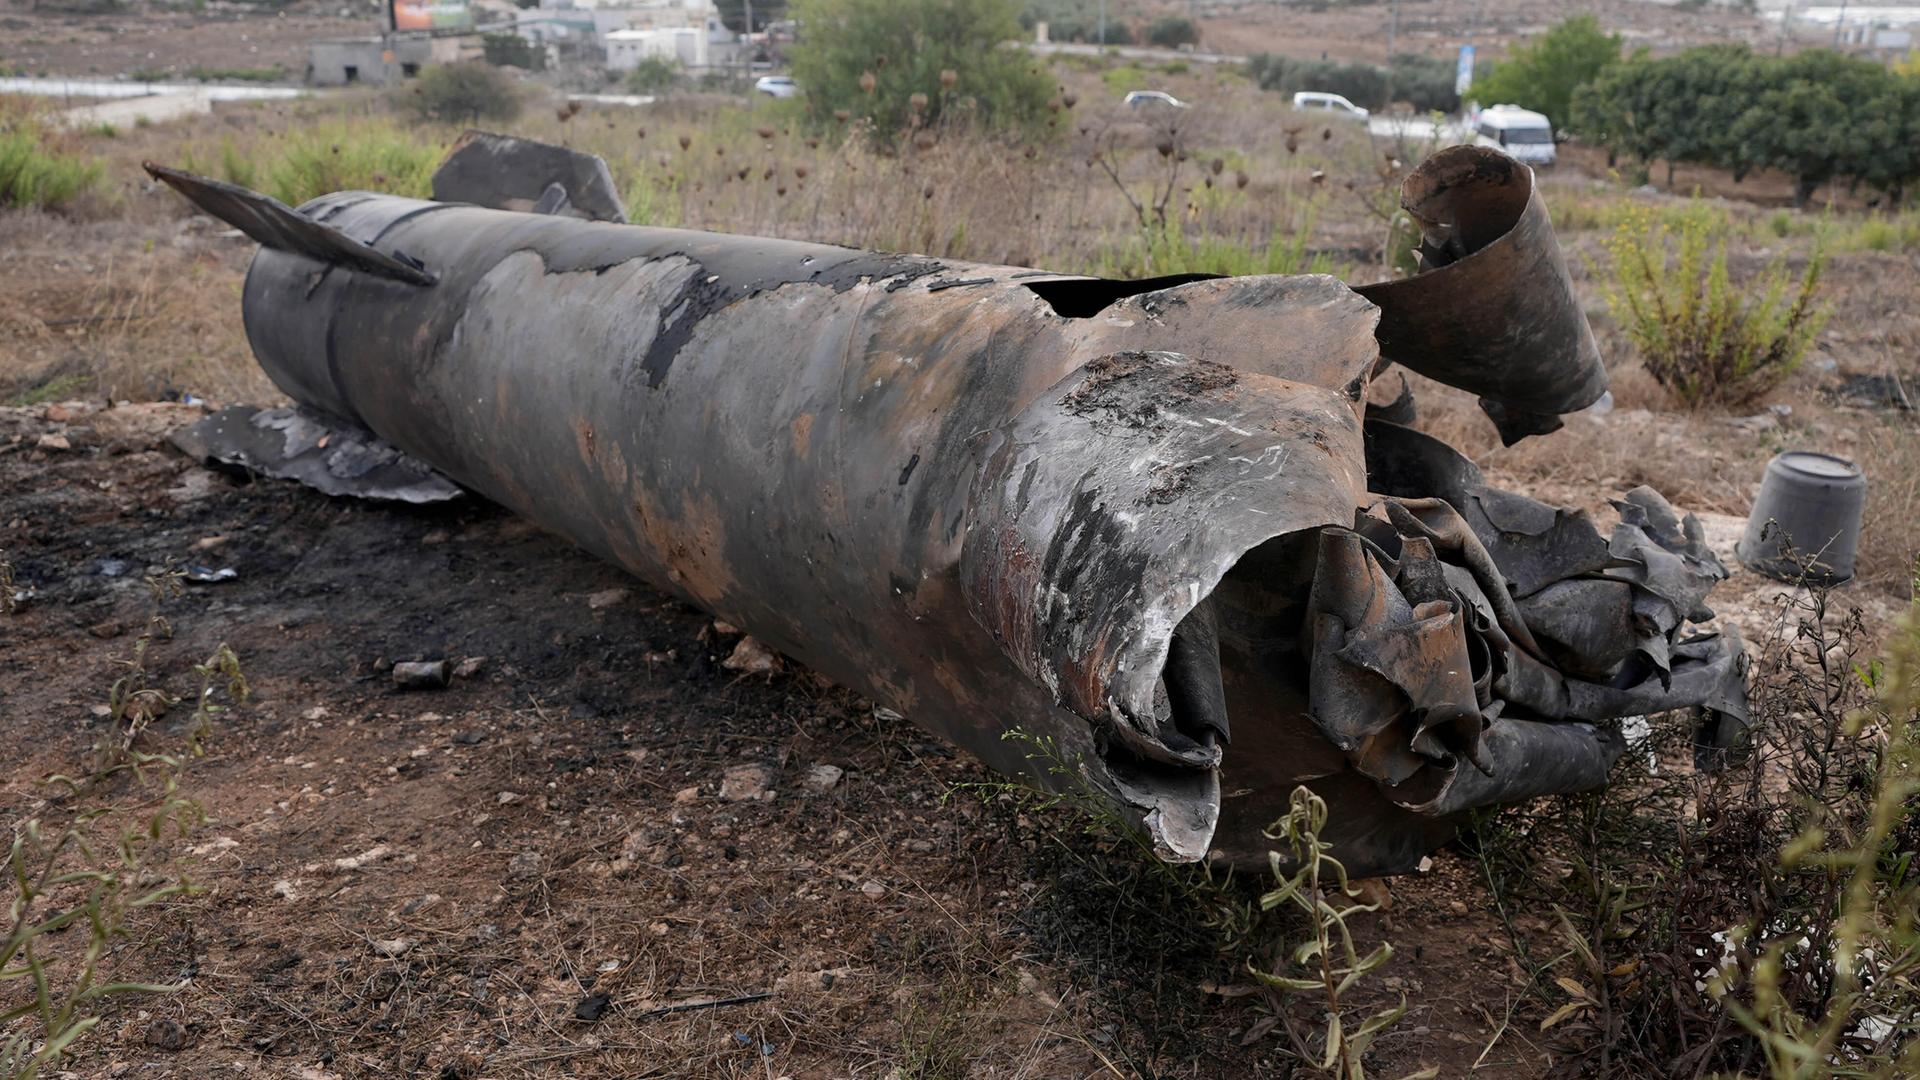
[1151, 523]
[506, 173]
[1494, 311]
[319, 451]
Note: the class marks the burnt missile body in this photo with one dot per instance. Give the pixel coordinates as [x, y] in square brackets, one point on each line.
[1147, 525]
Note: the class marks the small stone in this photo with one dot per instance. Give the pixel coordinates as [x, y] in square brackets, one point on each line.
[437, 536]
[392, 947]
[54, 442]
[318, 712]
[823, 777]
[1459, 908]
[743, 783]
[507, 798]
[469, 667]
[112, 628]
[920, 846]
[1371, 891]
[752, 658]
[873, 890]
[607, 598]
[421, 674]
[58, 414]
[364, 859]
[469, 738]
[208, 543]
[592, 1007]
[166, 1034]
[284, 890]
[524, 865]
[724, 628]
[687, 795]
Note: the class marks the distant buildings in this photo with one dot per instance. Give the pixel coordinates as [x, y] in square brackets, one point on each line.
[588, 32]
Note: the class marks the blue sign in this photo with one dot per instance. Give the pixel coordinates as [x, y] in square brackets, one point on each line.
[1463, 75]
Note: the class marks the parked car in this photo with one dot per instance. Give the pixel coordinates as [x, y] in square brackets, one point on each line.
[1314, 100]
[777, 86]
[1143, 99]
[1525, 135]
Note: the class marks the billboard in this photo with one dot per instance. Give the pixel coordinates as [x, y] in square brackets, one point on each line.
[431, 14]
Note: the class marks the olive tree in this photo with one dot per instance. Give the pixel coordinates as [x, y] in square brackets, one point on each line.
[906, 63]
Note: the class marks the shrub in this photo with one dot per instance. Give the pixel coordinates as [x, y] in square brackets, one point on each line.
[463, 94]
[1542, 75]
[1706, 340]
[1425, 82]
[34, 175]
[902, 63]
[351, 157]
[653, 73]
[1076, 21]
[512, 50]
[1173, 31]
[1363, 84]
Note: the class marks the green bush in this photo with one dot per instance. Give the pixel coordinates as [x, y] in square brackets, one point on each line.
[1363, 84]
[1542, 75]
[1173, 31]
[1425, 82]
[463, 94]
[1075, 21]
[899, 63]
[350, 157]
[512, 50]
[1705, 339]
[652, 74]
[33, 175]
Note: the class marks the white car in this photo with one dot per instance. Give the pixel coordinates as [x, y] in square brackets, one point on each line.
[777, 86]
[1139, 99]
[1315, 101]
[1524, 134]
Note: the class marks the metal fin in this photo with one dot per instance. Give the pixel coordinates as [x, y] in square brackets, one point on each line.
[502, 172]
[276, 225]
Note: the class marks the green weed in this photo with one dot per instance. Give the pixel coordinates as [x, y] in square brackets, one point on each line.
[35, 176]
[1706, 339]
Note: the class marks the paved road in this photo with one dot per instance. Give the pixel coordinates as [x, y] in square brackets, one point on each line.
[128, 103]
[1132, 52]
[1418, 129]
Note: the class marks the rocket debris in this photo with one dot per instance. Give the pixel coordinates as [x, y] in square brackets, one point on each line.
[1149, 523]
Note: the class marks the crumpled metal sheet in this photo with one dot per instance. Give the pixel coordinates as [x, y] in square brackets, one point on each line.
[316, 450]
[1152, 523]
[1494, 310]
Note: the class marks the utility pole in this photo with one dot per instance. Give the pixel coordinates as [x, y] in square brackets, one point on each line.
[1103, 22]
[1839, 22]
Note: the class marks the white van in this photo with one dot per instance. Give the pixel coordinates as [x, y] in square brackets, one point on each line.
[1333, 103]
[1524, 135]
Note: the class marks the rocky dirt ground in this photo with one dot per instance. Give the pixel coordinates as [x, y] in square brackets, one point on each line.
[620, 842]
[598, 822]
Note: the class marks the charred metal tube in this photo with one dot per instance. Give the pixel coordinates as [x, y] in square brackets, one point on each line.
[1134, 521]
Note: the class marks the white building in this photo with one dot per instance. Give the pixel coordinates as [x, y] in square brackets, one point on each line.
[684, 45]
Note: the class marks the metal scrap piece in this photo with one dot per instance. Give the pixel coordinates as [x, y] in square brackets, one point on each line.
[325, 454]
[505, 173]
